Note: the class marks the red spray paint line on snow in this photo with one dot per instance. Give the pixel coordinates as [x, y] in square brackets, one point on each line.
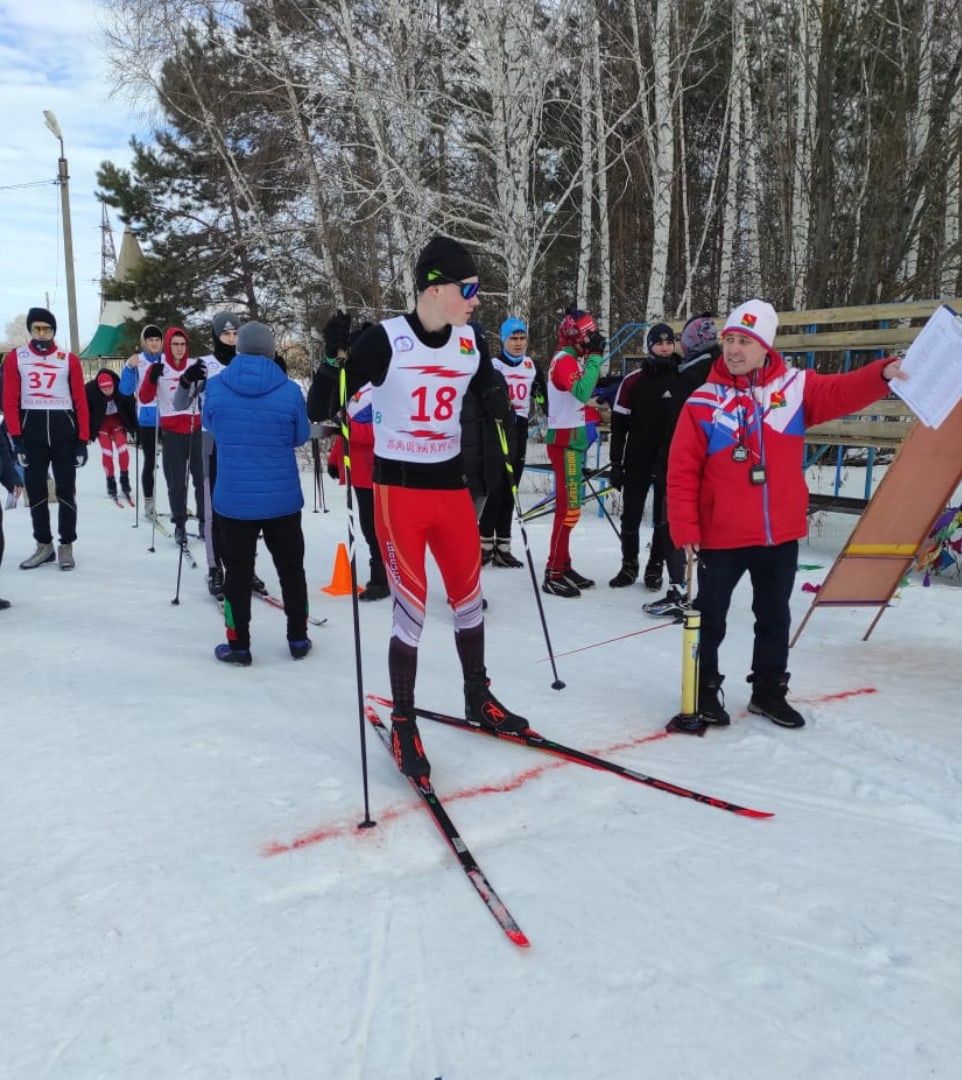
[339, 830]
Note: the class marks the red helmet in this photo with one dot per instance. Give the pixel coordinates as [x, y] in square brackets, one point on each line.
[576, 327]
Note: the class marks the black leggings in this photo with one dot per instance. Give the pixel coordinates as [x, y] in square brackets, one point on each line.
[147, 437]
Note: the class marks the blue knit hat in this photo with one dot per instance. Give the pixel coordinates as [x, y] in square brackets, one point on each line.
[512, 325]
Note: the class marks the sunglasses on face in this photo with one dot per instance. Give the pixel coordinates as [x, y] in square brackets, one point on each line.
[469, 289]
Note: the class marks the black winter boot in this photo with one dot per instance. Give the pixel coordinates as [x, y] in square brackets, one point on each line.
[487, 549]
[125, 483]
[502, 555]
[111, 487]
[768, 699]
[377, 588]
[627, 575]
[711, 700]
[407, 748]
[654, 575]
[483, 708]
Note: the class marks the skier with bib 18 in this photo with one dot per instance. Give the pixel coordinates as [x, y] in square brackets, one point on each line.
[420, 365]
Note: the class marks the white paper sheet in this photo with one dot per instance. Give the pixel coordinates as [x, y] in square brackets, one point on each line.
[933, 364]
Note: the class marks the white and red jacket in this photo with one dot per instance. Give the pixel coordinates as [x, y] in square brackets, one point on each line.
[733, 424]
[44, 398]
[180, 421]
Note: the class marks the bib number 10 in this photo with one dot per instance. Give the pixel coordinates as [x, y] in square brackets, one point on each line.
[444, 398]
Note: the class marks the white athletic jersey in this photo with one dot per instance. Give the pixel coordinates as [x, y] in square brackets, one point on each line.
[213, 367]
[519, 379]
[417, 409]
[167, 387]
[564, 409]
[44, 380]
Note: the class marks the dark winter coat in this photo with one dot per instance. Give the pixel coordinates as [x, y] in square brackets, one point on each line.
[8, 471]
[480, 445]
[643, 415]
[258, 419]
[97, 405]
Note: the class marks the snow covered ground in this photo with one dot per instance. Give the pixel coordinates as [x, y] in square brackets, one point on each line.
[185, 893]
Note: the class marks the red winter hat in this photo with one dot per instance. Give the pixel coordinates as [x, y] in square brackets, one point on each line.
[105, 381]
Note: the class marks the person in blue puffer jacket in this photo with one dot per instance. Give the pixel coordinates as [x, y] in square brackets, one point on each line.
[258, 418]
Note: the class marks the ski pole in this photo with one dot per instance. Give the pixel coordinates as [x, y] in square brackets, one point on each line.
[503, 439]
[367, 823]
[601, 503]
[316, 454]
[187, 471]
[136, 524]
[153, 516]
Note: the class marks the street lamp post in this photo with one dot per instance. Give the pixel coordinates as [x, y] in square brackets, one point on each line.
[63, 179]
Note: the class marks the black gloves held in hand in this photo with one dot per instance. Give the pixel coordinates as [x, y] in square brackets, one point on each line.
[597, 343]
[193, 374]
[337, 335]
[332, 471]
[154, 373]
[616, 476]
[80, 454]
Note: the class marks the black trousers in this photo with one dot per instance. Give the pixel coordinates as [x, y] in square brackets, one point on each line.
[178, 450]
[772, 573]
[61, 457]
[147, 438]
[662, 548]
[638, 482]
[285, 542]
[365, 514]
[498, 513]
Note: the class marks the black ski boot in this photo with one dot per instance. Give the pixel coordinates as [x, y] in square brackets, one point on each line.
[487, 549]
[180, 535]
[672, 605]
[711, 700]
[558, 585]
[578, 580]
[482, 707]
[768, 699]
[654, 575]
[407, 749]
[627, 575]
[377, 588]
[111, 487]
[125, 485]
[502, 555]
[257, 585]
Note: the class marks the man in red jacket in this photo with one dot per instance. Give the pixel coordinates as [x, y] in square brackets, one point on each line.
[45, 406]
[737, 496]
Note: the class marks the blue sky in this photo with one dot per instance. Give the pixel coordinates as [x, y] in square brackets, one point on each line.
[50, 58]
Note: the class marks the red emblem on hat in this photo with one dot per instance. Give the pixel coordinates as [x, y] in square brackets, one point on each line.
[749, 320]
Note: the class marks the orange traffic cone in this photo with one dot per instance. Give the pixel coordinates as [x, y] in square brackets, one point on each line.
[341, 578]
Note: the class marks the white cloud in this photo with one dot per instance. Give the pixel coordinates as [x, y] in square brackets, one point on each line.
[50, 59]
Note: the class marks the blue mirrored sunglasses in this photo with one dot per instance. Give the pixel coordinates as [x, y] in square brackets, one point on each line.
[469, 289]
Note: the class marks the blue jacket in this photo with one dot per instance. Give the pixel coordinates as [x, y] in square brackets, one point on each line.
[146, 414]
[258, 418]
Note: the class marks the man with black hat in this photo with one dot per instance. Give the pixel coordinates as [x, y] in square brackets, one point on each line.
[420, 365]
[643, 413]
[45, 406]
[224, 327]
[135, 370]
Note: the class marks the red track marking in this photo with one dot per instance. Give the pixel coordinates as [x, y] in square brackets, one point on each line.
[395, 813]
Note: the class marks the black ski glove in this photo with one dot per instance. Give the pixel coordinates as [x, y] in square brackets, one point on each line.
[337, 335]
[616, 476]
[597, 343]
[80, 454]
[193, 374]
[332, 471]
[155, 370]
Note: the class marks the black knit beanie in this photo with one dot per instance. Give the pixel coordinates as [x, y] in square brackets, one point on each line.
[41, 315]
[443, 260]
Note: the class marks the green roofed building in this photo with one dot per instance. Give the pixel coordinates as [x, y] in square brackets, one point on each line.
[105, 344]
